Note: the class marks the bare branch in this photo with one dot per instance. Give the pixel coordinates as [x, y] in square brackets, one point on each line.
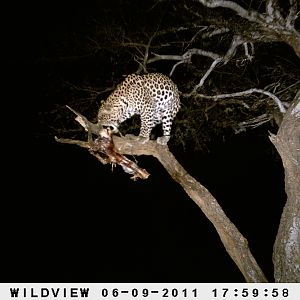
[209, 54]
[186, 58]
[234, 242]
[81, 89]
[212, 66]
[84, 122]
[146, 55]
[270, 9]
[272, 26]
[248, 55]
[245, 93]
[215, 32]
[197, 34]
[174, 67]
[249, 15]
[200, 84]
[254, 122]
[293, 14]
[236, 41]
[158, 57]
[134, 45]
[273, 13]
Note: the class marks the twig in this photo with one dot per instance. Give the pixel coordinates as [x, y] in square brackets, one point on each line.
[293, 14]
[212, 66]
[215, 32]
[247, 92]
[273, 14]
[254, 122]
[236, 41]
[248, 55]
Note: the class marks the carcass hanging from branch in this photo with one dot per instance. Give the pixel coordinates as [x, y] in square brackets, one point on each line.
[103, 147]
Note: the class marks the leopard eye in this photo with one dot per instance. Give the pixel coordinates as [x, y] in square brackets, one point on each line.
[113, 128]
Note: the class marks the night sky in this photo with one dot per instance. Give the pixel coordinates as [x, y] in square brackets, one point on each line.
[71, 219]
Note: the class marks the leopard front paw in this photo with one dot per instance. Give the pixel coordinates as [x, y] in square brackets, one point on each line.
[163, 140]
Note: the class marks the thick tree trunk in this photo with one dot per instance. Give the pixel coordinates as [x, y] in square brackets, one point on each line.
[286, 255]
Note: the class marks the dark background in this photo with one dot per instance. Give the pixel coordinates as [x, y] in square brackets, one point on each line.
[70, 219]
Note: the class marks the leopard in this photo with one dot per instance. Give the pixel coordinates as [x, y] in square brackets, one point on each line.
[153, 96]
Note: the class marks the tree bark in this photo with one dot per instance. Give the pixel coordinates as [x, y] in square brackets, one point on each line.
[286, 254]
[293, 40]
[234, 242]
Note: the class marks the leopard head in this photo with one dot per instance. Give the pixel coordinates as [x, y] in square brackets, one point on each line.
[108, 118]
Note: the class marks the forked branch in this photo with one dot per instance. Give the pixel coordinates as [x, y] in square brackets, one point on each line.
[234, 242]
[103, 148]
[246, 93]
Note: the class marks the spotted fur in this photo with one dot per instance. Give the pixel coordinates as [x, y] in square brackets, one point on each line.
[153, 96]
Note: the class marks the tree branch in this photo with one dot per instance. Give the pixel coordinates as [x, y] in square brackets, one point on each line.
[245, 93]
[143, 64]
[234, 242]
[186, 58]
[272, 25]
[85, 123]
[215, 31]
[254, 122]
[273, 12]
[249, 15]
[236, 41]
[292, 16]
[204, 77]
[248, 55]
